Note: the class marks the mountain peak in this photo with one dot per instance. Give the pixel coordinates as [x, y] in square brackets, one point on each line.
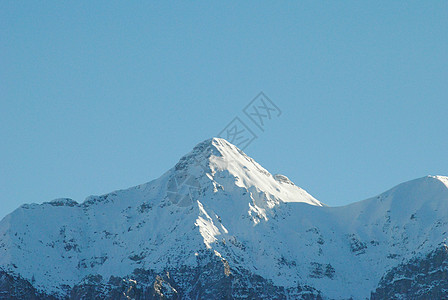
[428, 186]
[443, 179]
[204, 151]
[218, 164]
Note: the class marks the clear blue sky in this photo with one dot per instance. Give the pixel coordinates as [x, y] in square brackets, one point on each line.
[99, 97]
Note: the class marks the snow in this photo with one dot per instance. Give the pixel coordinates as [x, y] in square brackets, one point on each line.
[206, 227]
[217, 198]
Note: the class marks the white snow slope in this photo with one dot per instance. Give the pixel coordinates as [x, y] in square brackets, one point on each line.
[218, 198]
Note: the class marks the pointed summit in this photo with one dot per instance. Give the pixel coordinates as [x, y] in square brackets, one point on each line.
[203, 151]
[217, 163]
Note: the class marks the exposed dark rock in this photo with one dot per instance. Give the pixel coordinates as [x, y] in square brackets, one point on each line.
[420, 278]
[213, 278]
[15, 287]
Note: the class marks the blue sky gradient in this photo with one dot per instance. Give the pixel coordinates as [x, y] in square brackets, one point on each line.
[100, 96]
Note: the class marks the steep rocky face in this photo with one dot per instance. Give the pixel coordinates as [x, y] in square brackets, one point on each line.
[212, 278]
[16, 287]
[419, 278]
[220, 226]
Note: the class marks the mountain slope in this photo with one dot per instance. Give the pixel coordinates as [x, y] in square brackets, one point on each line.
[218, 225]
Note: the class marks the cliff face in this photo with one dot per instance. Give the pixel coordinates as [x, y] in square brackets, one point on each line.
[210, 279]
[419, 278]
[220, 226]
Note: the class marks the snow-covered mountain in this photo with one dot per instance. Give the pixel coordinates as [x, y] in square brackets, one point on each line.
[218, 225]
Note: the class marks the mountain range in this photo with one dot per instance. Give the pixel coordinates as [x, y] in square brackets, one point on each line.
[220, 226]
